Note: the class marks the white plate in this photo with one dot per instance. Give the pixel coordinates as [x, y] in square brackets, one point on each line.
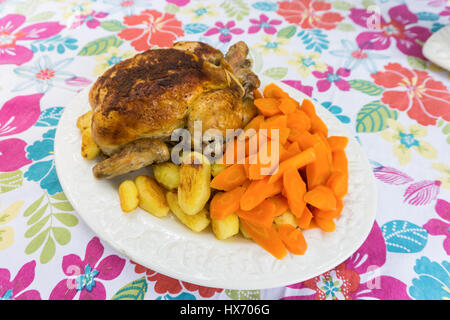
[437, 48]
[166, 246]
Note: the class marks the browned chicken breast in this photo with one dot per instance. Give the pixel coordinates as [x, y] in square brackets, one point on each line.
[146, 97]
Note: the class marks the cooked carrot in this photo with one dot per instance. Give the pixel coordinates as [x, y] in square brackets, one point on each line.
[274, 91]
[230, 178]
[288, 105]
[299, 119]
[322, 139]
[317, 125]
[292, 150]
[281, 204]
[226, 203]
[300, 160]
[254, 123]
[308, 108]
[295, 191]
[258, 191]
[266, 161]
[267, 238]
[292, 238]
[305, 220]
[321, 197]
[304, 139]
[318, 171]
[268, 106]
[262, 215]
[313, 225]
[329, 214]
[337, 142]
[340, 162]
[338, 182]
[257, 94]
[326, 225]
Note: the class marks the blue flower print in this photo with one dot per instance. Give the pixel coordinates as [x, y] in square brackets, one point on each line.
[355, 56]
[43, 74]
[43, 171]
[433, 282]
[336, 111]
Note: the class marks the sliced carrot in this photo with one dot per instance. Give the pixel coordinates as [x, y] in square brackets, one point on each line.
[321, 197]
[304, 139]
[322, 139]
[308, 108]
[313, 225]
[337, 142]
[268, 106]
[274, 91]
[266, 160]
[267, 238]
[340, 162]
[281, 204]
[330, 214]
[230, 178]
[292, 238]
[296, 162]
[338, 182]
[292, 150]
[288, 105]
[295, 191]
[317, 125]
[257, 94]
[326, 225]
[258, 191]
[226, 203]
[254, 123]
[299, 119]
[318, 171]
[305, 220]
[262, 215]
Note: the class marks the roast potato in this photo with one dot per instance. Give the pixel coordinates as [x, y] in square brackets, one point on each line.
[225, 228]
[167, 174]
[128, 195]
[195, 177]
[196, 222]
[286, 218]
[89, 149]
[85, 121]
[151, 196]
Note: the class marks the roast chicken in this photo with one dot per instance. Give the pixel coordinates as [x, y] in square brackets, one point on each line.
[139, 102]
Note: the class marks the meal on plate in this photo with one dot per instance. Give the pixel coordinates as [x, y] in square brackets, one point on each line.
[277, 174]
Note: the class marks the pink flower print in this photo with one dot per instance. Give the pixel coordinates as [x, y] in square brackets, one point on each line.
[83, 276]
[91, 20]
[400, 28]
[356, 278]
[445, 12]
[438, 227]
[15, 289]
[17, 115]
[265, 24]
[13, 53]
[225, 31]
[329, 77]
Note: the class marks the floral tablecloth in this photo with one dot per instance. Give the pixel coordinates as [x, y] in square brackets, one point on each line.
[361, 60]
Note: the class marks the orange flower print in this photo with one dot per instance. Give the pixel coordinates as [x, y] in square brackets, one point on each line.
[423, 98]
[309, 14]
[151, 28]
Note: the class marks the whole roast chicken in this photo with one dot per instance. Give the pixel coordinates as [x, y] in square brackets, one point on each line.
[139, 102]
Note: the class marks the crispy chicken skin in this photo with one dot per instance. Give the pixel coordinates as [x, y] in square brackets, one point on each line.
[160, 90]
